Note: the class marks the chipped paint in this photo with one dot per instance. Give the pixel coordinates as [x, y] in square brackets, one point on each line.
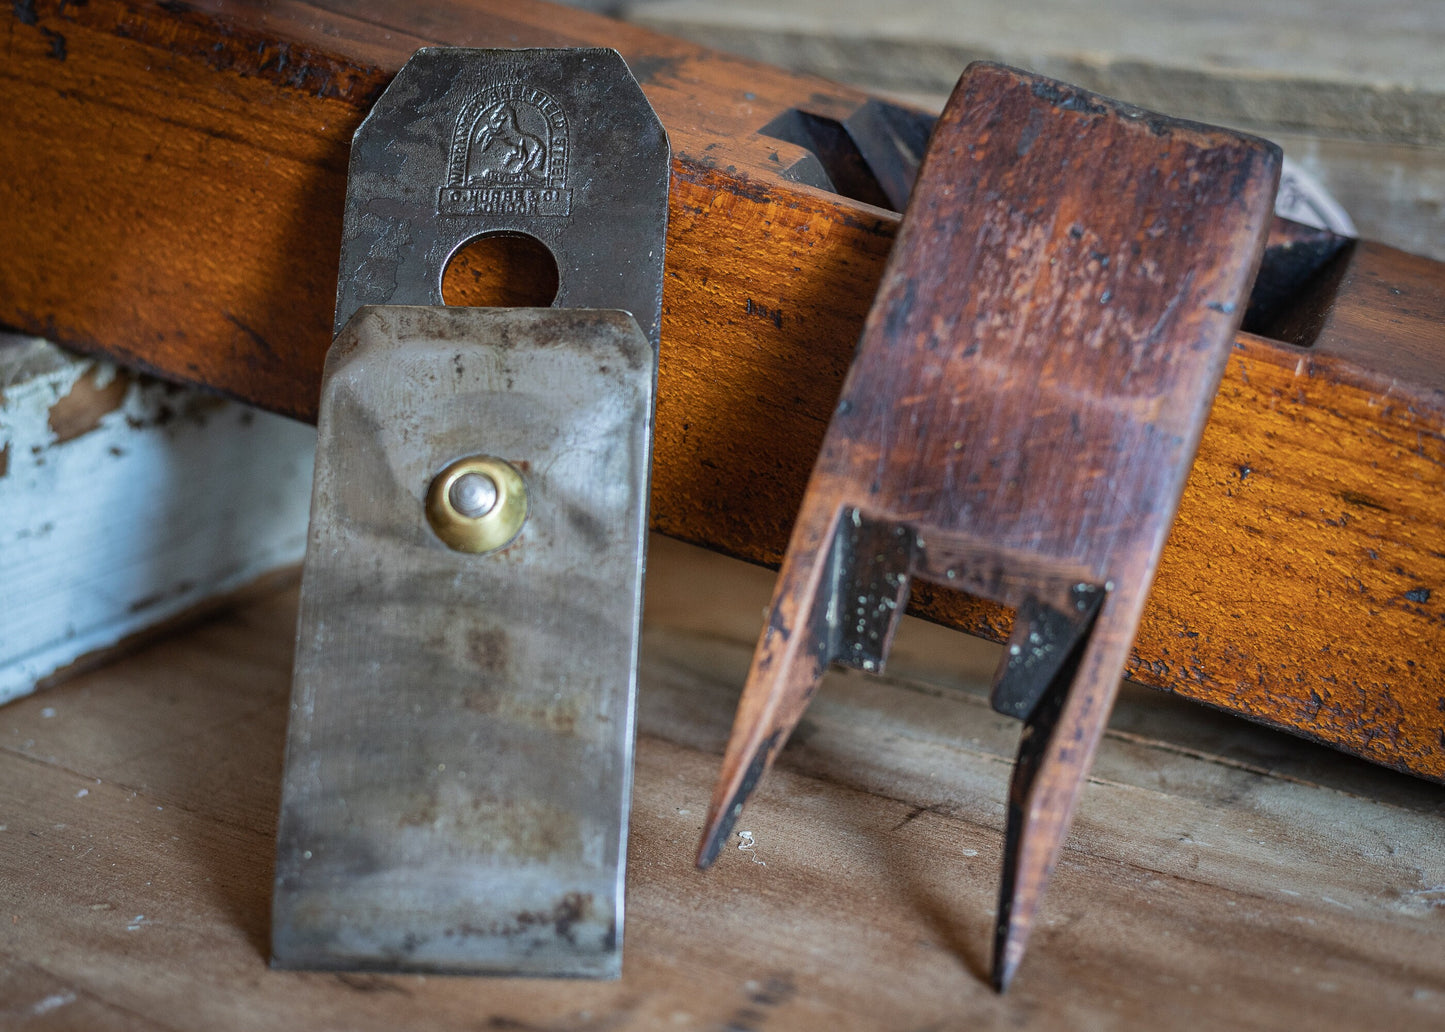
[99, 391]
[124, 501]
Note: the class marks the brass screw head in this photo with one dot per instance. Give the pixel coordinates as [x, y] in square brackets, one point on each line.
[477, 504]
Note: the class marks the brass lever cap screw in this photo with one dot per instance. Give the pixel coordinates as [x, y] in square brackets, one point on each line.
[477, 504]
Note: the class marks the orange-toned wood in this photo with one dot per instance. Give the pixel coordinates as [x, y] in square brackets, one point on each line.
[172, 193]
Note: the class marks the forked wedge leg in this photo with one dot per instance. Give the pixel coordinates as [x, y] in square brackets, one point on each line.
[1018, 424]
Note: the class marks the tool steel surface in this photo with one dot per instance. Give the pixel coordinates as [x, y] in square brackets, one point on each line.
[460, 747]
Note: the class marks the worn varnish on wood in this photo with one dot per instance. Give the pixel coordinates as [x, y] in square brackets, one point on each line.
[1030, 389]
[173, 198]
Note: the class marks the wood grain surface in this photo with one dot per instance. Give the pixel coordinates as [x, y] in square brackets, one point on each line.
[1370, 73]
[126, 502]
[1208, 882]
[173, 198]
[1018, 423]
[1353, 92]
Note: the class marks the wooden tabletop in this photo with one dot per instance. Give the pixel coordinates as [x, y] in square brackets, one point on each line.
[1218, 876]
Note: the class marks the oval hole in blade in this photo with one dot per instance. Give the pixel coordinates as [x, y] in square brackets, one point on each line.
[500, 270]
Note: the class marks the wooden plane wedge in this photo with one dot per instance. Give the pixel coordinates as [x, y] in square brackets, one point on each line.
[1018, 423]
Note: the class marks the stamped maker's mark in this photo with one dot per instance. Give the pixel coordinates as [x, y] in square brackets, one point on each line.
[508, 155]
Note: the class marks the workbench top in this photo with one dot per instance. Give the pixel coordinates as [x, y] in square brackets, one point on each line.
[1218, 875]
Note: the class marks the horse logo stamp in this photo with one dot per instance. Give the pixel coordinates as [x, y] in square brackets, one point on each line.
[508, 155]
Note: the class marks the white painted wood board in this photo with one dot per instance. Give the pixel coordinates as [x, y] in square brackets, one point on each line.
[125, 501]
